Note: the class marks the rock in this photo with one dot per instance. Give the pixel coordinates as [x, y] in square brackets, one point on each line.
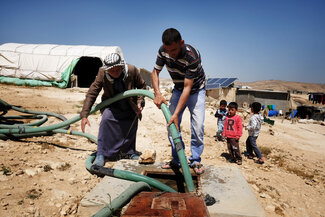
[59, 165]
[148, 157]
[270, 208]
[30, 210]
[72, 180]
[68, 209]
[285, 205]
[65, 210]
[255, 188]
[4, 204]
[19, 172]
[32, 172]
[271, 132]
[60, 195]
[263, 195]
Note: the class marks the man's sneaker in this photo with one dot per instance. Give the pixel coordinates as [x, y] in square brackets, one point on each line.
[99, 161]
[134, 156]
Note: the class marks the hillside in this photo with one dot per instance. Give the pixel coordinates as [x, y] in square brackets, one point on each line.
[283, 85]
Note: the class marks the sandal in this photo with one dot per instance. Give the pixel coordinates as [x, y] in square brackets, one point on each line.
[250, 157]
[259, 161]
[198, 168]
[169, 165]
[239, 162]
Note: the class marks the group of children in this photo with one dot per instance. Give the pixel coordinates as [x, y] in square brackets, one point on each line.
[230, 127]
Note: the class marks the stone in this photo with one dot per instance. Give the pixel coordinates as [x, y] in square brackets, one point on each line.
[19, 172]
[60, 195]
[263, 195]
[72, 180]
[255, 188]
[148, 157]
[270, 208]
[4, 204]
[32, 172]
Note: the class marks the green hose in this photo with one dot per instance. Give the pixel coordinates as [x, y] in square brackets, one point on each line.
[43, 119]
[126, 94]
[127, 175]
[122, 199]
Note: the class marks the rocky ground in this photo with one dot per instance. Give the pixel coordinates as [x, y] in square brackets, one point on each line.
[46, 176]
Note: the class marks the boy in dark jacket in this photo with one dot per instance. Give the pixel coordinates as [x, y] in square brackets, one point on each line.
[221, 114]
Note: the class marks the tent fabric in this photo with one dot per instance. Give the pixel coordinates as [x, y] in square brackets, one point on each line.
[48, 64]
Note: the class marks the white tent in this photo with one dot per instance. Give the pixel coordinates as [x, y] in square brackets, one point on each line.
[49, 63]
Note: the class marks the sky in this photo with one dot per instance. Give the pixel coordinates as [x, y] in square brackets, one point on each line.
[251, 40]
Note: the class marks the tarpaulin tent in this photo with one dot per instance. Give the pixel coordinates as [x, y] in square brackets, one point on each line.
[46, 64]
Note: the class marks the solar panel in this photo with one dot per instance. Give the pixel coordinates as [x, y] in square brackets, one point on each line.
[228, 82]
[213, 80]
[214, 83]
[221, 80]
[212, 86]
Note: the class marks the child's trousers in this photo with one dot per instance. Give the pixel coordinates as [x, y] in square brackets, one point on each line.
[233, 148]
[251, 145]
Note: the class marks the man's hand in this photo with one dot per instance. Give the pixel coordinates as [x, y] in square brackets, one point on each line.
[158, 100]
[140, 107]
[174, 119]
[84, 121]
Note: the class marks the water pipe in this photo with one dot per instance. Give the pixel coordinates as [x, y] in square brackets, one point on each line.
[127, 175]
[129, 93]
[123, 199]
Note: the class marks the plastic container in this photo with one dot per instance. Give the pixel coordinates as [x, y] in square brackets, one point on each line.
[273, 113]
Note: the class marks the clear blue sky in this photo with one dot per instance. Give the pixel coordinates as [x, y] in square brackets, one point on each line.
[248, 39]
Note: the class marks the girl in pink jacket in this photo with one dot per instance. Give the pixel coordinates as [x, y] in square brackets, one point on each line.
[233, 130]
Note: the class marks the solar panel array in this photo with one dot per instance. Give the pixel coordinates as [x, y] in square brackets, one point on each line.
[214, 83]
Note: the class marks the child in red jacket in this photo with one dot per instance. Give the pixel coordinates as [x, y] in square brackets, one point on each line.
[233, 130]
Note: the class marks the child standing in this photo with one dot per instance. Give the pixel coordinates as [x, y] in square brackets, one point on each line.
[253, 128]
[221, 114]
[233, 130]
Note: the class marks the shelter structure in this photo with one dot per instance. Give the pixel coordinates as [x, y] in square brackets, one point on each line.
[280, 100]
[221, 88]
[51, 64]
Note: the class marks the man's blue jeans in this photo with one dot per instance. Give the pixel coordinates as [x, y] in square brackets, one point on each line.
[196, 105]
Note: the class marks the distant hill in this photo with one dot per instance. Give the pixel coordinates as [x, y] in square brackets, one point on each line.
[276, 85]
[283, 85]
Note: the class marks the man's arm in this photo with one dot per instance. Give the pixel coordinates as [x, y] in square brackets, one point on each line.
[188, 83]
[159, 99]
[91, 96]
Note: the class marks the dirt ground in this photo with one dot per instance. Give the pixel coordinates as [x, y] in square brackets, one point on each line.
[46, 176]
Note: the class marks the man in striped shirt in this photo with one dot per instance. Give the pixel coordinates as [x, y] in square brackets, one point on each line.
[183, 63]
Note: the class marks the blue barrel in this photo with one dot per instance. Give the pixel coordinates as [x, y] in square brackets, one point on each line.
[273, 113]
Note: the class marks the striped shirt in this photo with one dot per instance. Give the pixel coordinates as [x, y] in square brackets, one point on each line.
[188, 65]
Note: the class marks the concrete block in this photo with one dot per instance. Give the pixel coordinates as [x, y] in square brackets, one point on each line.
[225, 183]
